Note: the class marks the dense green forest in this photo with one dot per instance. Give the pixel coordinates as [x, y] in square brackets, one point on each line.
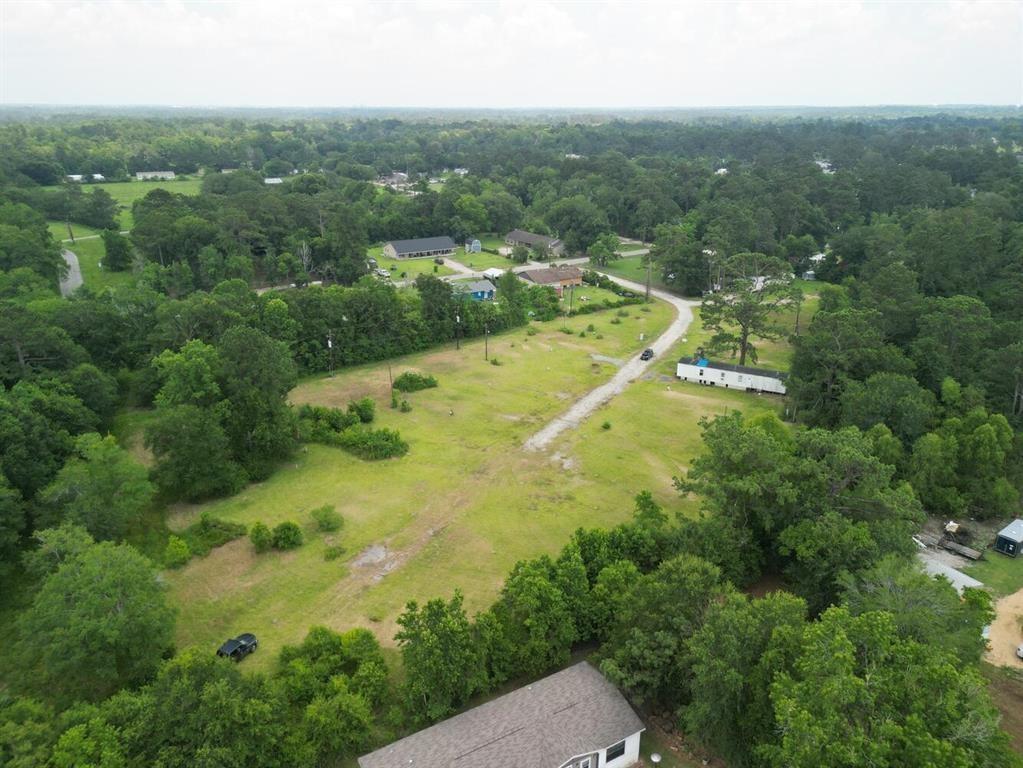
[905, 397]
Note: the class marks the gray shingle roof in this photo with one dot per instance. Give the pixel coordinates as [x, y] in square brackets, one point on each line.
[1013, 531]
[423, 244]
[474, 286]
[572, 712]
[551, 275]
[529, 238]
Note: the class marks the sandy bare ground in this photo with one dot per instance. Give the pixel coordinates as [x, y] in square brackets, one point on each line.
[632, 369]
[1005, 631]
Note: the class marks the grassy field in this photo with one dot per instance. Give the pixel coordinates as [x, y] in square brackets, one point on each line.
[466, 503]
[481, 261]
[412, 268]
[58, 230]
[90, 253]
[1002, 575]
[633, 268]
[127, 192]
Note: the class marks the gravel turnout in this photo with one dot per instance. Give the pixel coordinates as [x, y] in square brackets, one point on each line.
[632, 369]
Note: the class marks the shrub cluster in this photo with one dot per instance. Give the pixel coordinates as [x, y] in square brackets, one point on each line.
[177, 552]
[373, 444]
[286, 535]
[410, 381]
[209, 533]
[327, 518]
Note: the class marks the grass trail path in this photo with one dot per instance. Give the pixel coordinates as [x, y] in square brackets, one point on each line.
[633, 369]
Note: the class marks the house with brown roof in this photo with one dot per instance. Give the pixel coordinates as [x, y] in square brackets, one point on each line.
[520, 237]
[574, 718]
[557, 277]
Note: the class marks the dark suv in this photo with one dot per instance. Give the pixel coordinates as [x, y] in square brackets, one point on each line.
[647, 354]
[239, 647]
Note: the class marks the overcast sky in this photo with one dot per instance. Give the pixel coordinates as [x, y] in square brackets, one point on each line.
[441, 53]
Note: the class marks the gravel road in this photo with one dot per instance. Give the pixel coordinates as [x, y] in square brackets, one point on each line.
[633, 369]
[73, 280]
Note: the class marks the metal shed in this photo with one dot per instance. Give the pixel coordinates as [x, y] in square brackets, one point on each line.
[1010, 538]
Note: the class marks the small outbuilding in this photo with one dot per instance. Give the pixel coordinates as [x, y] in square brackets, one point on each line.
[154, 175]
[1010, 539]
[473, 246]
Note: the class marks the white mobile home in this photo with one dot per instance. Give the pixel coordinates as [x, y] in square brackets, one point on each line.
[703, 371]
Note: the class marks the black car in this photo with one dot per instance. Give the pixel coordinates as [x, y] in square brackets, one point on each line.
[647, 354]
[239, 647]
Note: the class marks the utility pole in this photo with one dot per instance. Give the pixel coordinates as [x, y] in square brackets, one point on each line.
[571, 297]
[486, 341]
[458, 329]
[330, 348]
[648, 267]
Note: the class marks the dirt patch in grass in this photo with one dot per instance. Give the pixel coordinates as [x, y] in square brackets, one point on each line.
[1006, 687]
[371, 555]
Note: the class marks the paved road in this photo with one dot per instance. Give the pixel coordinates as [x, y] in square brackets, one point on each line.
[73, 280]
[633, 369]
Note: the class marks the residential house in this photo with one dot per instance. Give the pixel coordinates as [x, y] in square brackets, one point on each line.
[74, 177]
[520, 237]
[98, 177]
[273, 180]
[574, 718]
[556, 277]
[477, 290]
[702, 370]
[154, 175]
[421, 248]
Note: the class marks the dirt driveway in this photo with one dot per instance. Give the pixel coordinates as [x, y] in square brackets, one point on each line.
[1005, 631]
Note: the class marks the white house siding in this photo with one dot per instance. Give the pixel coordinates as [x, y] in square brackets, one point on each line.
[629, 758]
[708, 374]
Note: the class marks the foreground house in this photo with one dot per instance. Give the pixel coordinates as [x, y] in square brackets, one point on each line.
[702, 370]
[477, 290]
[421, 248]
[572, 719]
[520, 237]
[556, 277]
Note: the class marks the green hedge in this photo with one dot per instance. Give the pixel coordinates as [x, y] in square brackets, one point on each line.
[410, 381]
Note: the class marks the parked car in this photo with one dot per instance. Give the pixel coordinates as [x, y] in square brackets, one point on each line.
[237, 648]
[648, 354]
[382, 273]
[438, 260]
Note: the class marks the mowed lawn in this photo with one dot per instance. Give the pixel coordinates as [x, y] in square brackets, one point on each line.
[90, 254]
[127, 192]
[466, 503]
[406, 269]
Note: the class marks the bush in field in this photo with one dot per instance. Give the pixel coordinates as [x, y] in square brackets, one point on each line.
[373, 443]
[327, 518]
[410, 381]
[209, 533]
[287, 535]
[333, 552]
[261, 537]
[177, 552]
[364, 409]
[405, 406]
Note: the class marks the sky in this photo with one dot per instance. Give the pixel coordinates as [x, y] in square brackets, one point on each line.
[442, 53]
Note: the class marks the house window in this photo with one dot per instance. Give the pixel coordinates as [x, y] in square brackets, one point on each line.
[614, 752]
[701, 373]
[584, 763]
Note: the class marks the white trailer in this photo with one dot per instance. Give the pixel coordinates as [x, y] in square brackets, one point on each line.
[728, 376]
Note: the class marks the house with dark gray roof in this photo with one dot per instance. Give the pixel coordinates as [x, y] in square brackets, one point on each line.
[530, 240]
[573, 719]
[421, 248]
